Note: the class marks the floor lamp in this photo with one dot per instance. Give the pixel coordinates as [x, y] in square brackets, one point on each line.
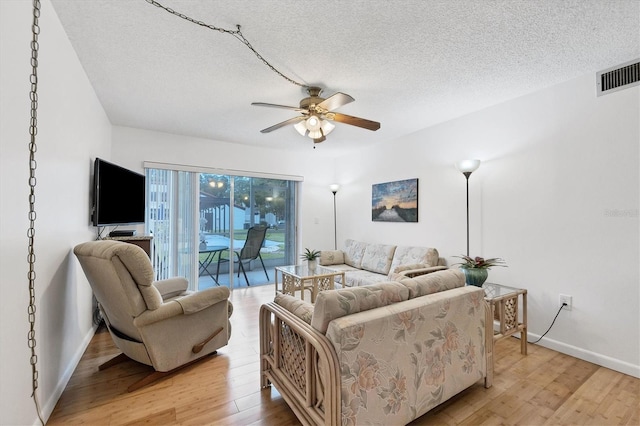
[334, 188]
[467, 167]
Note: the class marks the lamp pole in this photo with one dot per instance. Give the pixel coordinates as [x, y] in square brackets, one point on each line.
[466, 175]
[467, 167]
[334, 188]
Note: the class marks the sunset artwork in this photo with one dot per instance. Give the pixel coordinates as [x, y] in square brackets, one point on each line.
[395, 201]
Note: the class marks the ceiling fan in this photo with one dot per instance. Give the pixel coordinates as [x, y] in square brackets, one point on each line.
[317, 114]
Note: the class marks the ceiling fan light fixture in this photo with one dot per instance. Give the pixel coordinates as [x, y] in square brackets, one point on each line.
[313, 123]
[314, 127]
[315, 134]
[327, 127]
[301, 127]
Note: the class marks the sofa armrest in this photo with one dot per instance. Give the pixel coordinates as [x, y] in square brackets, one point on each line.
[301, 363]
[422, 271]
[171, 287]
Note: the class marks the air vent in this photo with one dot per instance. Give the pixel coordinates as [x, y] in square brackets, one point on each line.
[619, 77]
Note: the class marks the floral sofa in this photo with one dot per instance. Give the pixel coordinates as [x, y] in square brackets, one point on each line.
[380, 354]
[367, 263]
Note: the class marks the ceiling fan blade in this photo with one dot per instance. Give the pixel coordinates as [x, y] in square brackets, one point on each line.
[335, 101]
[264, 104]
[354, 121]
[284, 123]
[320, 139]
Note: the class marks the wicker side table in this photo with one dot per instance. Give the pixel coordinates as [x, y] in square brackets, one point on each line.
[505, 304]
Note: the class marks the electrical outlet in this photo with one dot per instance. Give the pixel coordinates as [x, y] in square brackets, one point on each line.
[566, 299]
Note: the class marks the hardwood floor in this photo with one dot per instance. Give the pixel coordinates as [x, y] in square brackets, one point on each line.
[545, 387]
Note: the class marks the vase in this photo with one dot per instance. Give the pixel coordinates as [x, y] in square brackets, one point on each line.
[311, 264]
[475, 276]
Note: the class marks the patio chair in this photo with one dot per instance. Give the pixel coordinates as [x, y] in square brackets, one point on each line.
[250, 251]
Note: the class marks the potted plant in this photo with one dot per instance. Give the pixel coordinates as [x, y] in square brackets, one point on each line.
[476, 270]
[311, 256]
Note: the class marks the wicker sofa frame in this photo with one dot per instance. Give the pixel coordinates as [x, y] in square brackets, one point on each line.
[292, 356]
[303, 365]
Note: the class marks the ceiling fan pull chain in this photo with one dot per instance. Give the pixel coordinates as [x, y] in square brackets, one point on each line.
[236, 33]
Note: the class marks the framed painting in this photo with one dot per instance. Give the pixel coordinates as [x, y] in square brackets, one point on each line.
[395, 201]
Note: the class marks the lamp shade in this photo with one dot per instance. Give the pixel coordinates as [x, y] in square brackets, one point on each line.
[301, 127]
[313, 123]
[334, 187]
[468, 166]
[327, 127]
[315, 134]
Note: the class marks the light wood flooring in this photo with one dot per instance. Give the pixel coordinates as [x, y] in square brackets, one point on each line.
[544, 387]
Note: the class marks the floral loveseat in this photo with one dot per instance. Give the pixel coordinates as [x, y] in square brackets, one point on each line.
[380, 354]
[366, 263]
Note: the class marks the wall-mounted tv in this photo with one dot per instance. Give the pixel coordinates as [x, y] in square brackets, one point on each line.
[118, 195]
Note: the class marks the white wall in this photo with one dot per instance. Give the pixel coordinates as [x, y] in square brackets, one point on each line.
[557, 196]
[73, 129]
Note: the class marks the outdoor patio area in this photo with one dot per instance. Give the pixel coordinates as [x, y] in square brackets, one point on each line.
[272, 253]
[256, 278]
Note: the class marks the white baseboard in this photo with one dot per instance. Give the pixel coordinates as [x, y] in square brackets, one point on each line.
[595, 358]
[48, 407]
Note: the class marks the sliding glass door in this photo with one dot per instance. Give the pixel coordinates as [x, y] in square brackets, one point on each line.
[205, 226]
[230, 206]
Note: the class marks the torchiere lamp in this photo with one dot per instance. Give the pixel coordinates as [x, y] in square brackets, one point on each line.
[334, 188]
[467, 167]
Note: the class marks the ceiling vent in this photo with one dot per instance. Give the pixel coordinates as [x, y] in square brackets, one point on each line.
[619, 77]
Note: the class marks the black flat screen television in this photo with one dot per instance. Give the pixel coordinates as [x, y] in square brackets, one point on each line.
[118, 195]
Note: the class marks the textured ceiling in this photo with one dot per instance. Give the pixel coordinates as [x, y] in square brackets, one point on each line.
[408, 64]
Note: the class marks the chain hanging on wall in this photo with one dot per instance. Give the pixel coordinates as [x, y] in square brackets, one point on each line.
[235, 33]
[31, 232]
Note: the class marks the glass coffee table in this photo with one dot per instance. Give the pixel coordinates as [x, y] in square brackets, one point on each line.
[301, 278]
[505, 304]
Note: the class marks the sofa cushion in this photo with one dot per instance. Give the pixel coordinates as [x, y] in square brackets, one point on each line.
[433, 282]
[331, 257]
[360, 277]
[408, 255]
[299, 308]
[332, 304]
[353, 252]
[377, 258]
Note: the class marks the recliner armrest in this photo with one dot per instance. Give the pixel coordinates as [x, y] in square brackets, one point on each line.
[171, 287]
[194, 302]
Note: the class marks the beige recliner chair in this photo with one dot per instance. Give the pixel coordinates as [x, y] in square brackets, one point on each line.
[159, 323]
